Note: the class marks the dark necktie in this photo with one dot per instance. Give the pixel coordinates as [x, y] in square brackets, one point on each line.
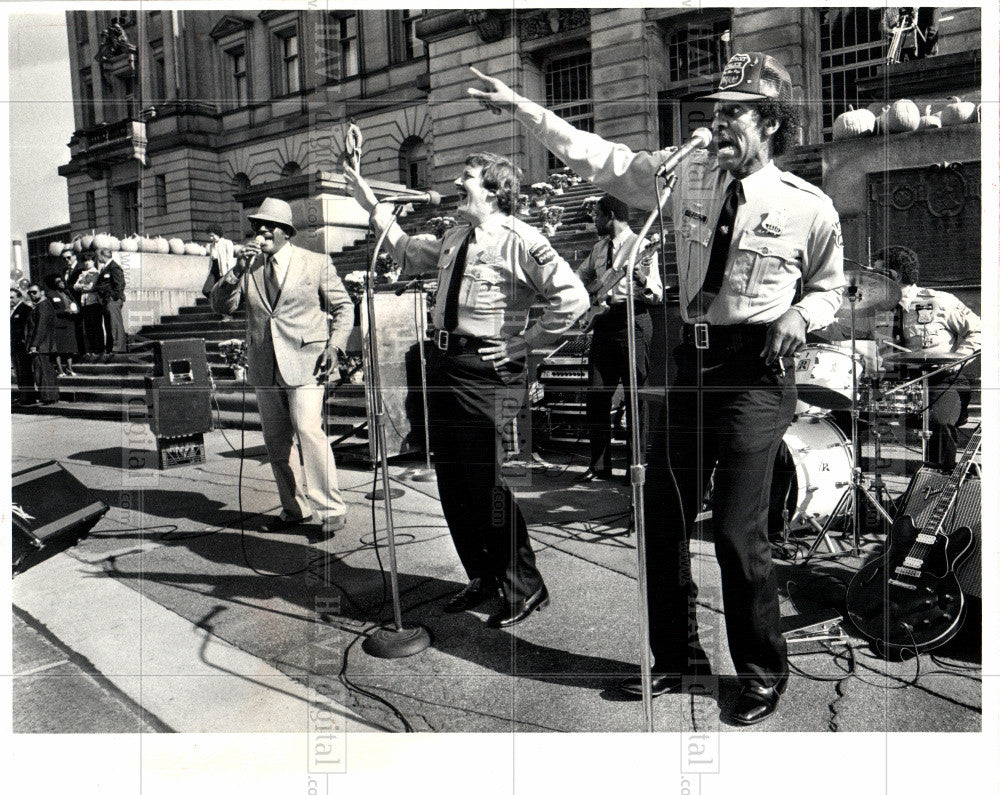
[271, 285]
[455, 285]
[611, 253]
[720, 245]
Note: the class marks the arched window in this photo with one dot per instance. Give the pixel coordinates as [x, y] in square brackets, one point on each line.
[413, 167]
[290, 169]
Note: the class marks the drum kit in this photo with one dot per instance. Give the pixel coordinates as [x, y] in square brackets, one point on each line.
[828, 482]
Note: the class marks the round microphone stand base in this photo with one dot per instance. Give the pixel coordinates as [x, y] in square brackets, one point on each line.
[387, 643]
[378, 495]
[422, 475]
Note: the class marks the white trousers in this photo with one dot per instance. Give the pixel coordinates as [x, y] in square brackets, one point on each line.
[299, 451]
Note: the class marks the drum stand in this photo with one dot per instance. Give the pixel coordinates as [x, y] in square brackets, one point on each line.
[857, 486]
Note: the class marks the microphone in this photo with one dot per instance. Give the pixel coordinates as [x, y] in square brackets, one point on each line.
[427, 197]
[245, 260]
[701, 138]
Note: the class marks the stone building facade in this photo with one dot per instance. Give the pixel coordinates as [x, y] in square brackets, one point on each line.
[225, 107]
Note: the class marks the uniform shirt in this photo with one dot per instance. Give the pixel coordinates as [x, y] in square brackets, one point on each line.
[508, 264]
[787, 248]
[937, 322]
[597, 265]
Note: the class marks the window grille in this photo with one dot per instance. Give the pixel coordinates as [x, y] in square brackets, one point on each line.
[852, 46]
[569, 94]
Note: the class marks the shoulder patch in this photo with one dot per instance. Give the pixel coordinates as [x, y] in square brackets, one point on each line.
[543, 253]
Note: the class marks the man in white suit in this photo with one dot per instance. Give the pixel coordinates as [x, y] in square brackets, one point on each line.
[299, 317]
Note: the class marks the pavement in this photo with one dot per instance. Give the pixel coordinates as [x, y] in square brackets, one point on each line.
[178, 614]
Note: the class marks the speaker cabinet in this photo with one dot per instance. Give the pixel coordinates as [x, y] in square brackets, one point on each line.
[918, 504]
[178, 393]
[50, 505]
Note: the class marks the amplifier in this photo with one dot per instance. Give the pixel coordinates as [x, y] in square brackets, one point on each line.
[179, 392]
[918, 503]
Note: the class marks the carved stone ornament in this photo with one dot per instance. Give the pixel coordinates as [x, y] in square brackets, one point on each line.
[488, 24]
[946, 192]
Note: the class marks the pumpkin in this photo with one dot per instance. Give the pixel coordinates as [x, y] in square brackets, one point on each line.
[77, 244]
[175, 245]
[56, 248]
[162, 246]
[87, 242]
[957, 112]
[853, 124]
[194, 250]
[929, 120]
[131, 243]
[902, 116]
[101, 241]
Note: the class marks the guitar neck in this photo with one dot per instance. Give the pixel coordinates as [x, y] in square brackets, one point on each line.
[950, 490]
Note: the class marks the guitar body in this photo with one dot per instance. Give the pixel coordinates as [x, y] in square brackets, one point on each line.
[899, 606]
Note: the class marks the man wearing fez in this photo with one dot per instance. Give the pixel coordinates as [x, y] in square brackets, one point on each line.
[759, 263]
[299, 317]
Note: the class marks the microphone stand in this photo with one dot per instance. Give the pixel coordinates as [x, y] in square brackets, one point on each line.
[385, 642]
[637, 467]
[426, 474]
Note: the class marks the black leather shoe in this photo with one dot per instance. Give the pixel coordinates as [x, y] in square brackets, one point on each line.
[473, 594]
[512, 614]
[591, 475]
[756, 702]
[661, 684]
[279, 524]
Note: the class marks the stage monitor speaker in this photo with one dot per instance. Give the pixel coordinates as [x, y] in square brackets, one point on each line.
[50, 504]
[918, 503]
[179, 392]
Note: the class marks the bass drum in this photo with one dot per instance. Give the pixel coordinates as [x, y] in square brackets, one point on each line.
[811, 473]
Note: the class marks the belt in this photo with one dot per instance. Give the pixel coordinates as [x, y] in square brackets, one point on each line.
[450, 342]
[724, 339]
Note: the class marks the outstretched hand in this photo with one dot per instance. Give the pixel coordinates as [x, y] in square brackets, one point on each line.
[360, 189]
[496, 97]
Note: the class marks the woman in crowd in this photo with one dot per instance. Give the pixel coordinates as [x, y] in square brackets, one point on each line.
[65, 310]
[90, 307]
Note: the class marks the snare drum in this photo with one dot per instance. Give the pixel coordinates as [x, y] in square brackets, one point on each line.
[823, 376]
[823, 461]
[902, 402]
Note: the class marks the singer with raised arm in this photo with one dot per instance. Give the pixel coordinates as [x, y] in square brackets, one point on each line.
[490, 270]
[759, 262]
[299, 317]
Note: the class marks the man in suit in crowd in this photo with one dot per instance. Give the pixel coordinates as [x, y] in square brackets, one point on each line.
[41, 343]
[299, 318]
[110, 289]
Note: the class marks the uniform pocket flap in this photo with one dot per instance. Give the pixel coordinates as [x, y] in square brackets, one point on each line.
[311, 340]
[769, 247]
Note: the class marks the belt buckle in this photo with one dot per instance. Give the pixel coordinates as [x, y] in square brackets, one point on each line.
[701, 336]
[441, 339]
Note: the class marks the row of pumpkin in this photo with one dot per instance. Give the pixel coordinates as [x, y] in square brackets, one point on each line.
[903, 115]
[132, 243]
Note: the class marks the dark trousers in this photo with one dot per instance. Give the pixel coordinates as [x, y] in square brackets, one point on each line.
[24, 375]
[114, 327]
[609, 366]
[93, 327]
[45, 378]
[949, 398]
[470, 404]
[730, 416]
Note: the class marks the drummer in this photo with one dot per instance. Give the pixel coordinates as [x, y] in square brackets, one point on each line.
[937, 326]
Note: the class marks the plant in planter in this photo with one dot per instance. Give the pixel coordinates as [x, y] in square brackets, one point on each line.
[559, 182]
[234, 351]
[354, 283]
[523, 204]
[540, 192]
[386, 269]
[551, 219]
[439, 224]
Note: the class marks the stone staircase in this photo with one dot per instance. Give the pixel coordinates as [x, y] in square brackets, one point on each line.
[116, 391]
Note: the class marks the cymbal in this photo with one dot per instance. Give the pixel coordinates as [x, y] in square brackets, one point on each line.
[921, 359]
[872, 291]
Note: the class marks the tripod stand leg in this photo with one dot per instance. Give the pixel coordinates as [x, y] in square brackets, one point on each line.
[825, 529]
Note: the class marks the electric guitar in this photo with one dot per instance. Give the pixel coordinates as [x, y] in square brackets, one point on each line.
[613, 275]
[909, 597]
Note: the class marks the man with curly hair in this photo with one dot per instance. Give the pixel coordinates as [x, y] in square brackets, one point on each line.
[759, 263]
[490, 270]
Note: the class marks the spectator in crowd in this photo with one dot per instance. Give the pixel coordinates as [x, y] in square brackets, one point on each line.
[20, 316]
[222, 256]
[110, 289]
[91, 310]
[63, 325]
[40, 345]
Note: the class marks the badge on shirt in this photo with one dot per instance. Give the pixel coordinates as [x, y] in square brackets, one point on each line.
[774, 223]
[490, 256]
[543, 253]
